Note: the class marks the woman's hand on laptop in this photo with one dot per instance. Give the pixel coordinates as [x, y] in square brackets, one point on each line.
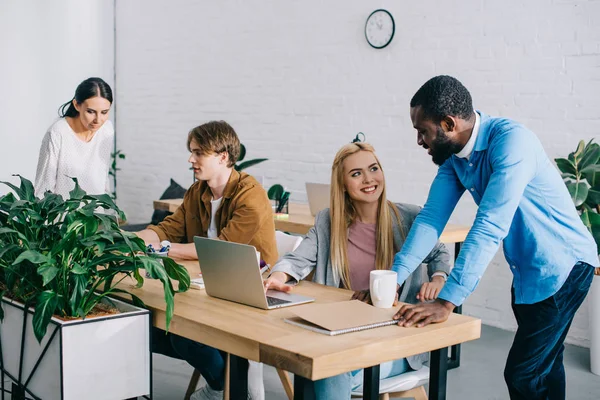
[277, 282]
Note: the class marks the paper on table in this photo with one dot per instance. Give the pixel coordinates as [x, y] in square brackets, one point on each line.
[344, 314]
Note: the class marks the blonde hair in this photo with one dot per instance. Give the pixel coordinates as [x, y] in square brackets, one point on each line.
[343, 214]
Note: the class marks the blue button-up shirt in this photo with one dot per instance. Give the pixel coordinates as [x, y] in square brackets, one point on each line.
[522, 200]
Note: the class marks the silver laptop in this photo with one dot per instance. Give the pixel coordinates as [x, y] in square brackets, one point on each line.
[231, 272]
[318, 196]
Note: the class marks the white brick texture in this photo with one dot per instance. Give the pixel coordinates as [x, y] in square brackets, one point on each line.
[297, 79]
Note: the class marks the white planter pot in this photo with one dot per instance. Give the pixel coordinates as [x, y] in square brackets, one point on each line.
[96, 359]
[594, 310]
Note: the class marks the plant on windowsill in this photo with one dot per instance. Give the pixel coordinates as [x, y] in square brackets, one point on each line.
[55, 257]
[581, 173]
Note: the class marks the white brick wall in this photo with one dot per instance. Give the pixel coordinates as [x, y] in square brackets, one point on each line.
[297, 79]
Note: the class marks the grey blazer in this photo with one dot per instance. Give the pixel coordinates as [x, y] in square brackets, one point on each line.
[313, 254]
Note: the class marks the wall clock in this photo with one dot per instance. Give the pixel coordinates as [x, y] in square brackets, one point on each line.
[379, 29]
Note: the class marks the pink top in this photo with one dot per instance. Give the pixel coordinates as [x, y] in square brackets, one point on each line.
[362, 246]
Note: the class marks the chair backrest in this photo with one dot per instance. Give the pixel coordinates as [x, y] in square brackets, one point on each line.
[286, 243]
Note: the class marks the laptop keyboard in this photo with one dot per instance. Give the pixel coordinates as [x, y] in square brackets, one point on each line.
[274, 301]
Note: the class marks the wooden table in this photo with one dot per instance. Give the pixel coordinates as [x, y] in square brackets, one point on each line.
[253, 334]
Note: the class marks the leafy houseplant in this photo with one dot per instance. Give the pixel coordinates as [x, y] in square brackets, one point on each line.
[581, 173]
[280, 196]
[55, 254]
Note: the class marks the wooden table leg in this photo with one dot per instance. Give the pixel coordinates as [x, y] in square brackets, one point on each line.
[238, 378]
[438, 369]
[454, 360]
[371, 383]
[304, 389]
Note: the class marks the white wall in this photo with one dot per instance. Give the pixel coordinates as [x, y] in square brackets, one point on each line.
[297, 79]
[47, 49]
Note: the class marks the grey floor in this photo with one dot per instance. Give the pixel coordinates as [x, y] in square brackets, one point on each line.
[479, 376]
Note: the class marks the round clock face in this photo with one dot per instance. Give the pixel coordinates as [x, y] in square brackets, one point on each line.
[379, 29]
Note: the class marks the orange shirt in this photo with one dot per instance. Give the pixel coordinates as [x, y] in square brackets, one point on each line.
[245, 216]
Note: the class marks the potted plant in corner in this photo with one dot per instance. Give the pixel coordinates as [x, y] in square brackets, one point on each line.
[581, 173]
[59, 262]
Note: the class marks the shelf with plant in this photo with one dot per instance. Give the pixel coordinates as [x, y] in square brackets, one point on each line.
[65, 256]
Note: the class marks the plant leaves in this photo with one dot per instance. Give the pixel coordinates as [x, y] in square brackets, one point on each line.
[275, 192]
[592, 174]
[28, 193]
[593, 197]
[565, 166]
[177, 272]
[48, 273]
[591, 155]
[32, 256]
[78, 269]
[79, 285]
[578, 192]
[579, 152]
[77, 193]
[242, 153]
[45, 307]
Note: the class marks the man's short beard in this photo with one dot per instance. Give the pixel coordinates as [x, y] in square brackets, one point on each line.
[443, 147]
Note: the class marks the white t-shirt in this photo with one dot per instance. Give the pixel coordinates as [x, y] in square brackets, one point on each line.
[63, 155]
[212, 227]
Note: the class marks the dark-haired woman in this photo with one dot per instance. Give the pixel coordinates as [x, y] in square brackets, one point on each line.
[79, 144]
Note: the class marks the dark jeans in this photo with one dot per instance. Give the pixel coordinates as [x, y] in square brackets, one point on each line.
[208, 360]
[534, 368]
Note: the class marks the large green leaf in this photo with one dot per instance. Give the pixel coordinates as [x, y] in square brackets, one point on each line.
[77, 193]
[177, 272]
[32, 256]
[275, 192]
[26, 189]
[593, 197]
[242, 153]
[578, 192]
[48, 272]
[18, 191]
[156, 271]
[592, 174]
[565, 166]
[79, 285]
[579, 152]
[45, 306]
[591, 155]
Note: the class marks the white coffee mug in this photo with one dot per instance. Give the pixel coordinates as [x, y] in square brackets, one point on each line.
[383, 288]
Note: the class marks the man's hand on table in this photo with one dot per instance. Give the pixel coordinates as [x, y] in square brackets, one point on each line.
[423, 314]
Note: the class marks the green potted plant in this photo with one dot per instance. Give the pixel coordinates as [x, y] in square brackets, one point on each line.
[280, 197]
[59, 262]
[581, 173]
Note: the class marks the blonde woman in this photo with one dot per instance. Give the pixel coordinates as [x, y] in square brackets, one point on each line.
[359, 233]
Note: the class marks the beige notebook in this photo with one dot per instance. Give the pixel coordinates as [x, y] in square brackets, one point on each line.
[341, 317]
